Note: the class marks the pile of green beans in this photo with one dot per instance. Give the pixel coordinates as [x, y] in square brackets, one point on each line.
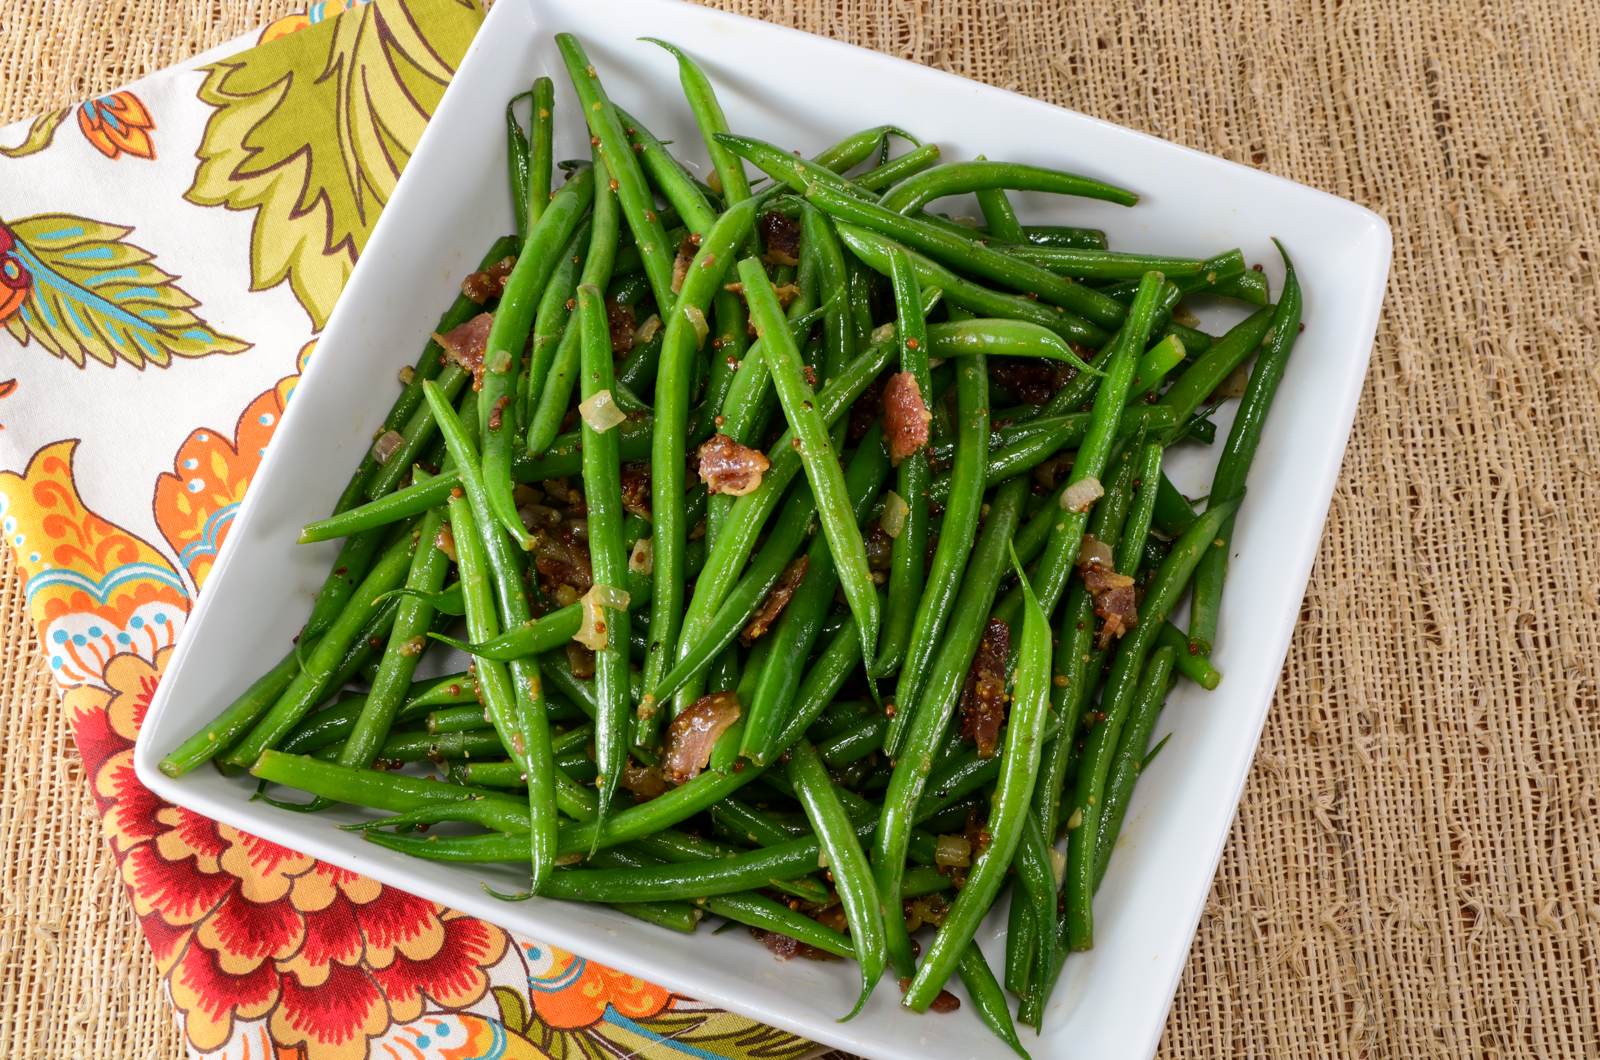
[789, 511]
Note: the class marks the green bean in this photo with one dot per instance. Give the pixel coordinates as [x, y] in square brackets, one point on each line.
[954, 548]
[970, 257]
[378, 790]
[668, 175]
[1121, 687]
[857, 147]
[1153, 367]
[794, 172]
[513, 322]
[407, 747]
[1003, 337]
[758, 911]
[858, 892]
[541, 128]
[685, 331]
[910, 548]
[1191, 664]
[413, 616]
[711, 121]
[1008, 816]
[801, 623]
[550, 325]
[1238, 452]
[518, 165]
[913, 759]
[315, 679]
[1218, 362]
[873, 249]
[897, 169]
[1064, 236]
[816, 451]
[608, 553]
[513, 694]
[854, 744]
[1153, 688]
[1174, 514]
[1086, 264]
[465, 718]
[998, 216]
[1054, 566]
[959, 178]
[549, 631]
[1146, 480]
[1036, 893]
[638, 206]
[988, 998]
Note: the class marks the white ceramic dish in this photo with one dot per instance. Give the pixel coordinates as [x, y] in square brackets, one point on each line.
[1112, 1001]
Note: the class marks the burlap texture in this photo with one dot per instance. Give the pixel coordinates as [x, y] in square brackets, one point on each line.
[1415, 870]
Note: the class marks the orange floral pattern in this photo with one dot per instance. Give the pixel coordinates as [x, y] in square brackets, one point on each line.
[570, 992]
[117, 124]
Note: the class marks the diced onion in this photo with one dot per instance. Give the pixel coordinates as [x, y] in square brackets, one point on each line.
[697, 320]
[642, 560]
[387, 444]
[1095, 553]
[500, 362]
[1058, 865]
[600, 412]
[895, 510]
[882, 333]
[1076, 820]
[407, 373]
[1082, 494]
[594, 632]
[646, 330]
[952, 851]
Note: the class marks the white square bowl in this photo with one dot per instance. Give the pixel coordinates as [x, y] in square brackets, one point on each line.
[1112, 1001]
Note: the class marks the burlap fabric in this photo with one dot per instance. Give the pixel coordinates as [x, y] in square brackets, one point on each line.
[1415, 870]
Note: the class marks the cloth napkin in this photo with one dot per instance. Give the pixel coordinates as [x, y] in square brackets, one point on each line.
[168, 255]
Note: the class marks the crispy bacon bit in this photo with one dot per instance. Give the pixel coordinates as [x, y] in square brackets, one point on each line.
[1115, 601]
[787, 293]
[445, 541]
[497, 412]
[905, 416]
[693, 734]
[731, 468]
[810, 372]
[781, 238]
[776, 600]
[465, 343]
[880, 549]
[488, 283]
[619, 317]
[680, 264]
[580, 660]
[561, 556]
[945, 1002]
[636, 488]
[1033, 381]
[784, 948]
[983, 701]
[644, 782]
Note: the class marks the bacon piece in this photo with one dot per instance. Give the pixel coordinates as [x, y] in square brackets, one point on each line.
[681, 263]
[905, 416]
[784, 948]
[465, 343]
[1115, 600]
[644, 782]
[488, 283]
[561, 556]
[731, 468]
[983, 700]
[1032, 380]
[636, 488]
[693, 734]
[619, 318]
[781, 238]
[776, 600]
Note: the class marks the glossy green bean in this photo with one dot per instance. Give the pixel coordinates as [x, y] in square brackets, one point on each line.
[754, 909]
[1121, 688]
[1002, 337]
[897, 169]
[950, 557]
[1131, 750]
[541, 129]
[508, 336]
[859, 146]
[960, 178]
[1154, 366]
[1239, 451]
[1146, 483]
[218, 735]
[669, 176]
[913, 476]
[1191, 663]
[858, 892]
[792, 171]
[988, 998]
[998, 216]
[1008, 816]
[709, 117]
[684, 333]
[549, 631]
[550, 322]
[517, 164]
[1086, 264]
[638, 206]
[817, 457]
[1208, 371]
[1036, 891]
[913, 760]
[1064, 236]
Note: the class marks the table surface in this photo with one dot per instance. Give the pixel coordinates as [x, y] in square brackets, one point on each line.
[1415, 868]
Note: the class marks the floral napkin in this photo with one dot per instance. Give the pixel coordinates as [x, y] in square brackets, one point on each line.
[168, 255]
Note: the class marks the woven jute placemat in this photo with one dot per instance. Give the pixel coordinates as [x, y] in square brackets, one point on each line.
[1415, 870]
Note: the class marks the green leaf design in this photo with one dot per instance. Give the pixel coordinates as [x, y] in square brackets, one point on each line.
[92, 294]
[723, 1034]
[40, 133]
[312, 130]
[513, 1010]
